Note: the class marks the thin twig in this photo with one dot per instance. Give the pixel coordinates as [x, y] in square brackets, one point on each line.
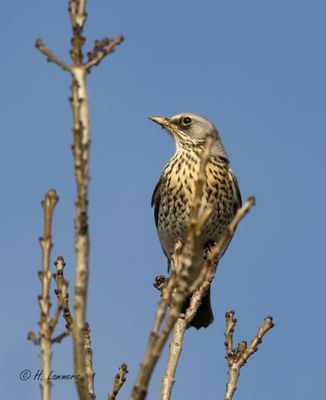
[59, 338]
[48, 204]
[60, 291]
[89, 362]
[237, 358]
[179, 329]
[101, 49]
[50, 56]
[119, 380]
[217, 250]
[230, 324]
[62, 295]
[33, 338]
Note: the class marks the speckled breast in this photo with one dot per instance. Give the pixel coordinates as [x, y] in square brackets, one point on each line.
[177, 191]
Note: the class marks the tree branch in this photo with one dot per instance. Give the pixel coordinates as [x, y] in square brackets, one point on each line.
[119, 380]
[44, 340]
[81, 131]
[62, 295]
[101, 49]
[237, 358]
[89, 362]
[179, 329]
[206, 277]
[33, 338]
[50, 56]
[59, 338]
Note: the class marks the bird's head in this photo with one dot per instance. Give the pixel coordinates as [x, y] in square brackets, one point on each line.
[190, 131]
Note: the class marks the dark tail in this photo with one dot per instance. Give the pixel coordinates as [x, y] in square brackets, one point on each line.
[204, 315]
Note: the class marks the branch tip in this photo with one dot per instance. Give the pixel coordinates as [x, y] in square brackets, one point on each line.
[101, 49]
[50, 200]
[252, 200]
[50, 56]
[119, 380]
[60, 261]
[33, 338]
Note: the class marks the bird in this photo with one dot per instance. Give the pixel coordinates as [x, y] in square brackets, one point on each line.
[173, 195]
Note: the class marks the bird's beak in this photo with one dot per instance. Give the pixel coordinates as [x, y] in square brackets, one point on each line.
[163, 121]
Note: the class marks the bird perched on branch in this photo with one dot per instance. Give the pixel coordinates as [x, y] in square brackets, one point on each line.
[173, 195]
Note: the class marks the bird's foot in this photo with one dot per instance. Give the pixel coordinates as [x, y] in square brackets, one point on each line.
[160, 282]
[208, 248]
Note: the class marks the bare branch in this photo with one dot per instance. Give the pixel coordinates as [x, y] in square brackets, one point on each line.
[78, 16]
[81, 131]
[158, 338]
[119, 380]
[217, 250]
[101, 49]
[48, 204]
[237, 358]
[60, 291]
[81, 157]
[230, 324]
[89, 362]
[179, 329]
[59, 338]
[33, 338]
[62, 295]
[205, 279]
[63, 305]
[50, 56]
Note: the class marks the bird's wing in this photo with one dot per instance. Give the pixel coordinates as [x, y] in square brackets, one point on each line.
[236, 190]
[156, 199]
[237, 202]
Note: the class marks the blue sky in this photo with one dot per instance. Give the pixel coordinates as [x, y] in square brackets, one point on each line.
[257, 69]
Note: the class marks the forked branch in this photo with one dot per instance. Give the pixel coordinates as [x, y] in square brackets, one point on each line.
[80, 147]
[237, 358]
[101, 49]
[183, 321]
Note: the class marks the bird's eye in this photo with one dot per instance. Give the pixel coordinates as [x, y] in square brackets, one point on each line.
[186, 121]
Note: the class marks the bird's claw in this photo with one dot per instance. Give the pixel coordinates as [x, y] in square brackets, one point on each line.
[208, 248]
